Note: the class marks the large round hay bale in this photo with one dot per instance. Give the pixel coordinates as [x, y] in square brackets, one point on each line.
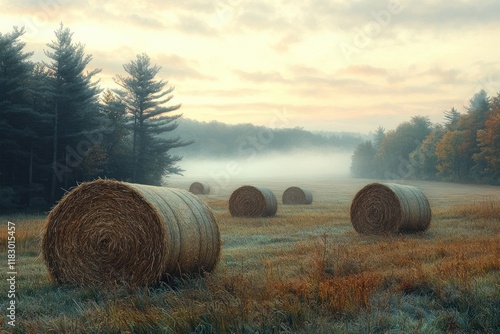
[252, 201]
[109, 232]
[390, 208]
[296, 195]
[199, 188]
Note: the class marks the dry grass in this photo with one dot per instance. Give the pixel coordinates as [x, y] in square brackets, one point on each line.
[480, 210]
[303, 271]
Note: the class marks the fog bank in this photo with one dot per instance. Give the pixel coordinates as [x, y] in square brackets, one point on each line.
[294, 165]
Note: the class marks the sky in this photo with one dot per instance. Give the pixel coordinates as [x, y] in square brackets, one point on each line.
[328, 65]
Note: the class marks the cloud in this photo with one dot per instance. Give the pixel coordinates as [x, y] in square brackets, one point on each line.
[180, 68]
[145, 21]
[224, 93]
[198, 6]
[261, 77]
[363, 70]
[261, 16]
[192, 24]
[288, 40]
[459, 15]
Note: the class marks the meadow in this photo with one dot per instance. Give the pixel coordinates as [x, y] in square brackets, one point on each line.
[303, 271]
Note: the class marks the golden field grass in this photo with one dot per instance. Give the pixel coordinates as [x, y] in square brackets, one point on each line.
[303, 271]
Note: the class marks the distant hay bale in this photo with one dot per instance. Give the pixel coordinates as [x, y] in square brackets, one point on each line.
[252, 201]
[107, 232]
[390, 208]
[296, 195]
[199, 188]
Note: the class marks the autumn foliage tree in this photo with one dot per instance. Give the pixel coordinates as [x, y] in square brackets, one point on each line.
[465, 149]
[423, 159]
[489, 144]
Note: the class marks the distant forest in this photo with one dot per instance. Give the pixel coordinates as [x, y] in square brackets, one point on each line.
[219, 140]
[465, 149]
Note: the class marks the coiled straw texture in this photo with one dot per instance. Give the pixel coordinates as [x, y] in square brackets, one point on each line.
[108, 232]
[199, 188]
[252, 201]
[390, 208]
[296, 195]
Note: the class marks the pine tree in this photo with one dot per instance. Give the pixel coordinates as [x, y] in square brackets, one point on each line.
[73, 100]
[116, 142]
[451, 118]
[18, 131]
[145, 99]
[378, 137]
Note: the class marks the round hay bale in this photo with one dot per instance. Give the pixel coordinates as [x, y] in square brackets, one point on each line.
[199, 188]
[390, 208]
[108, 232]
[296, 195]
[252, 201]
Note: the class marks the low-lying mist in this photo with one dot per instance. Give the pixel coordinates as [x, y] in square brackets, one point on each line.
[304, 164]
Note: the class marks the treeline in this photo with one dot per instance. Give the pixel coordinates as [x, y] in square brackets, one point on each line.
[57, 126]
[219, 140]
[466, 148]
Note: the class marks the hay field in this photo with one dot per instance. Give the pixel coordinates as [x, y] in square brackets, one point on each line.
[304, 270]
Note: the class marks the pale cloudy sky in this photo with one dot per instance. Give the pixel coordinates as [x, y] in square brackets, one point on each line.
[321, 64]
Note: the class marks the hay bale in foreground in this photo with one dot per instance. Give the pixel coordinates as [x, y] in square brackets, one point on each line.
[296, 195]
[252, 201]
[199, 188]
[390, 208]
[108, 232]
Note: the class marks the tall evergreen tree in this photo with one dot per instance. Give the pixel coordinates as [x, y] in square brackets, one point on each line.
[451, 118]
[18, 131]
[73, 98]
[145, 99]
[378, 137]
[116, 142]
